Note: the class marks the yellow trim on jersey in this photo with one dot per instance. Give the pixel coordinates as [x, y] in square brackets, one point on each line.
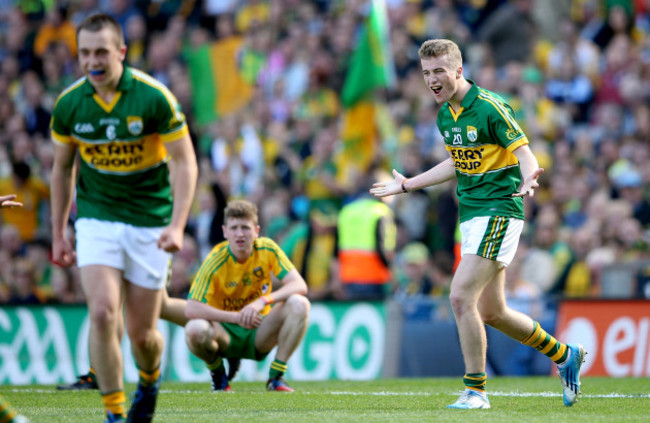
[476, 160]
[78, 83]
[454, 114]
[61, 139]
[212, 263]
[515, 145]
[268, 244]
[122, 157]
[152, 82]
[500, 108]
[108, 107]
[175, 135]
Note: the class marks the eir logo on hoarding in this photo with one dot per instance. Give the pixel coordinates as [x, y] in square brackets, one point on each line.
[616, 335]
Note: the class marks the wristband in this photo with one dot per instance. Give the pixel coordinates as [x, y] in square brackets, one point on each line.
[404, 190]
[267, 299]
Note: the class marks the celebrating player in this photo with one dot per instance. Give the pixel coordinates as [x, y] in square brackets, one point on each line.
[125, 126]
[494, 169]
[231, 296]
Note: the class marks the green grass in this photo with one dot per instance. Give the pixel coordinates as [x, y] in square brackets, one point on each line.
[531, 399]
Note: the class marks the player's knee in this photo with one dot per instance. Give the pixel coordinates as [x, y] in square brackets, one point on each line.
[492, 317]
[103, 317]
[145, 339]
[197, 332]
[297, 307]
[458, 302]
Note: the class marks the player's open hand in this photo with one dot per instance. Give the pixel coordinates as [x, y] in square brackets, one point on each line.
[6, 201]
[529, 185]
[384, 189]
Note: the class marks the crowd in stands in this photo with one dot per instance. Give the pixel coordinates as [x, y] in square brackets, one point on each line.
[577, 73]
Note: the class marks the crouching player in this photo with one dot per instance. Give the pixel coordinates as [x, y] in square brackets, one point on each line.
[234, 312]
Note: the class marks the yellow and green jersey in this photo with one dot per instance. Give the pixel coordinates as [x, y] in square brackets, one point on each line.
[227, 285]
[123, 175]
[481, 137]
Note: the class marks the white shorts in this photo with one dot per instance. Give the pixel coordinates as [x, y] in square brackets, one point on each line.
[493, 237]
[131, 249]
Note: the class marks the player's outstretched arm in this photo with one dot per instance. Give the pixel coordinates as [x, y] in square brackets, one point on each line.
[442, 172]
[384, 189]
[7, 201]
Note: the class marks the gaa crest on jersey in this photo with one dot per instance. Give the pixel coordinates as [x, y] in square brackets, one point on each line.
[265, 288]
[134, 125]
[472, 133]
[258, 272]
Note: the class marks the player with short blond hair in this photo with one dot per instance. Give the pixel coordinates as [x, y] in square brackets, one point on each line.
[494, 169]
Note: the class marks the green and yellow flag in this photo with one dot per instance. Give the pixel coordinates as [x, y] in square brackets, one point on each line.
[372, 61]
[218, 86]
[371, 67]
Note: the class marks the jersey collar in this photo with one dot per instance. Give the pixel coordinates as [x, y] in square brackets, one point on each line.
[470, 96]
[126, 81]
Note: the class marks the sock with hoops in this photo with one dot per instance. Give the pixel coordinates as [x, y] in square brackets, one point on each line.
[547, 345]
[475, 381]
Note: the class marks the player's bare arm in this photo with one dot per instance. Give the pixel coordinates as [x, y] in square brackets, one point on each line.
[62, 188]
[198, 310]
[292, 284]
[530, 171]
[183, 183]
[440, 173]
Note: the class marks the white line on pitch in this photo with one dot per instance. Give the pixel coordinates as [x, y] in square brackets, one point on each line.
[380, 393]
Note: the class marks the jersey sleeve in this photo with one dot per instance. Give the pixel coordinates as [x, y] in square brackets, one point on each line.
[280, 264]
[171, 125]
[503, 126]
[60, 122]
[202, 288]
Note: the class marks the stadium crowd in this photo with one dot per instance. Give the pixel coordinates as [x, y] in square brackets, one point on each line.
[577, 73]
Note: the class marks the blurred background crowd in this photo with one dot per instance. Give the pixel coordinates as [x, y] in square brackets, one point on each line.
[260, 82]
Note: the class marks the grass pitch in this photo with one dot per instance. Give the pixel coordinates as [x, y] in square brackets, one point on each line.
[529, 399]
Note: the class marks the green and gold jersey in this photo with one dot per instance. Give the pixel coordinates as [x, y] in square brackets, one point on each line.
[227, 285]
[481, 137]
[124, 175]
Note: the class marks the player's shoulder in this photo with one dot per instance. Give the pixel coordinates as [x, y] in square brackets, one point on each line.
[148, 85]
[490, 101]
[72, 92]
[265, 243]
[219, 252]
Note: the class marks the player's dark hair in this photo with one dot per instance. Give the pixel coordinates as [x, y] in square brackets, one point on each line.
[97, 22]
[240, 209]
[440, 47]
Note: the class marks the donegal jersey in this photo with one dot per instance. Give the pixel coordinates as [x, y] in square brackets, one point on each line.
[481, 137]
[123, 175]
[227, 285]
